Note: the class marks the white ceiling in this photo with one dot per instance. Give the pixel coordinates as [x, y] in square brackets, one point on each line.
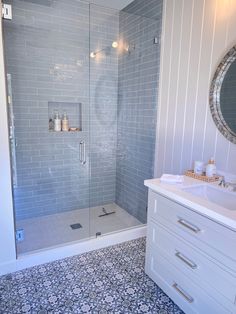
[115, 4]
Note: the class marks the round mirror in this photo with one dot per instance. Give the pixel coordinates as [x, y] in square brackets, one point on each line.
[223, 96]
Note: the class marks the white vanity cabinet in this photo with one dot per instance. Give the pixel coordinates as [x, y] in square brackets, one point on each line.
[191, 257]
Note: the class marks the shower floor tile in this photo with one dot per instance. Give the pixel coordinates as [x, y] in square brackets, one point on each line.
[52, 230]
[98, 282]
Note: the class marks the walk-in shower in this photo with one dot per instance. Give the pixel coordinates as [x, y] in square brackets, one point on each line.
[82, 99]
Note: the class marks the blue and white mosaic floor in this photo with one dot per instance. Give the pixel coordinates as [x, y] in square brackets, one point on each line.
[110, 280]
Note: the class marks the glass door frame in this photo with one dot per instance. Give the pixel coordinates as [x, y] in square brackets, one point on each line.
[7, 227]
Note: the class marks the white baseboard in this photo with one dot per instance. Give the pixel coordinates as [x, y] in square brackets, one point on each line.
[56, 253]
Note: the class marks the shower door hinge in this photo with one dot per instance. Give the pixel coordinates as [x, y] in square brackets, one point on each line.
[7, 11]
[20, 235]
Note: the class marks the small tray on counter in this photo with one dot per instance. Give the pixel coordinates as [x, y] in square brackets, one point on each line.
[190, 173]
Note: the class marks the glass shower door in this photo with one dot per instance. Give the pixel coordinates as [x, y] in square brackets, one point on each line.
[47, 65]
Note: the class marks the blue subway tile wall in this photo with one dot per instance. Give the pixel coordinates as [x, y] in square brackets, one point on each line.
[47, 50]
[140, 23]
[47, 47]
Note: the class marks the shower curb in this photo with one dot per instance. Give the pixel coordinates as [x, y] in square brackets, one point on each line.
[74, 248]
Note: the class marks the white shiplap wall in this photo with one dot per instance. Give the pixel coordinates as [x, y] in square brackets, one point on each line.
[196, 35]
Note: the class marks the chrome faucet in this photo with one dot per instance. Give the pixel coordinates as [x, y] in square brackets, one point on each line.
[222, 182]
[231, 186]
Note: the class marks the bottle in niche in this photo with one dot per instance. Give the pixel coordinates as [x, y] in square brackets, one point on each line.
[57, 122]
[51, 124]
[65, 123]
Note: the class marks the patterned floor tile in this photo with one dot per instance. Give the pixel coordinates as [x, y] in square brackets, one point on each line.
[110, 280]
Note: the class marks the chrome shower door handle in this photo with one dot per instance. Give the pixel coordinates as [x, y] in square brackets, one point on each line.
[82, 153]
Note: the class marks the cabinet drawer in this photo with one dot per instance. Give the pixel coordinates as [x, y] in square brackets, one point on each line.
[183, 291]
[194, 264]
[195, 228]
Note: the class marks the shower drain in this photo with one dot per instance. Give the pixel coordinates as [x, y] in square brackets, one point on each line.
[98, 234]
[76, 226]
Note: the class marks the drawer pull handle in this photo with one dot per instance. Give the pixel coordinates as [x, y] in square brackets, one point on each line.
[186, 296]
[186, 260]
[189, 225]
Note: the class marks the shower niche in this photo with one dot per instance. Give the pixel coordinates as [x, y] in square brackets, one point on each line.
[71, 112]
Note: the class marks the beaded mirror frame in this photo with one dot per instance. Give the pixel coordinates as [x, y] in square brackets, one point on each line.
[215, 90]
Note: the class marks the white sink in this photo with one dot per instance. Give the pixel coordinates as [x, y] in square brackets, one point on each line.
[215, 195]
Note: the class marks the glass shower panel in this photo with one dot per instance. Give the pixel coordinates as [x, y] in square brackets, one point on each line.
[47, 61]
[104, 37]
[140, 31]
[124, 57]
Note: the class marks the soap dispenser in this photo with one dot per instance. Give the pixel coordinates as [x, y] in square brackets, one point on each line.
[211, 168]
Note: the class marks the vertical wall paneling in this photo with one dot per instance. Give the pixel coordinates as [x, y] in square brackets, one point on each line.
[178, 55]
[169, 115]
[196, 49]
[219, 46]
[183, 78]
[209, 124]
[166, 50]
[173, 84]
[203, 78]
[208, 32]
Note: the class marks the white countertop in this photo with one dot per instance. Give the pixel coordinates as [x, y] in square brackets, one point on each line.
[202, 206]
